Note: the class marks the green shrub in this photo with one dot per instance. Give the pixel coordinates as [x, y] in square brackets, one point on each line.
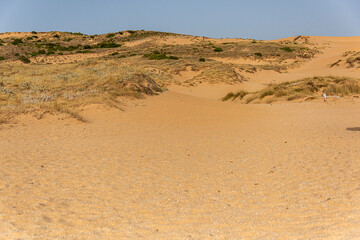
[42, 51]
[258, 54]
[17, 41]
[202, 59]
[287, 49]
[122, 56]
[114, 53]
[33, 32]
[131, 31]
[56, 36]
[2, 58]
[110, 35]
[107, 45]
[68, 39]
[173, 57]
[218, 49]
[29, 38]
[1, 44]
[34, 54]
[16, 54]
[24, 59]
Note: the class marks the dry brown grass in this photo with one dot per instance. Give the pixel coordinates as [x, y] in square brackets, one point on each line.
[63, 88]
[307, 89]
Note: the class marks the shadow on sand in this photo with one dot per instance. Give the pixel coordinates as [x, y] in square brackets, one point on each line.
[354, 129]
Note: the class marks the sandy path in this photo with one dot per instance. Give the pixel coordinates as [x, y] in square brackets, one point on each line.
[180, 167]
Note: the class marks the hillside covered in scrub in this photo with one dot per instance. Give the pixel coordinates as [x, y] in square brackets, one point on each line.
[60, 71]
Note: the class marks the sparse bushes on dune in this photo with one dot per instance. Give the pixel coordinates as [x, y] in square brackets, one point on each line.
[218, 49]
[2, 58]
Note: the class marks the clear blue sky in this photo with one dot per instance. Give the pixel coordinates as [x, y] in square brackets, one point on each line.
[259, 19]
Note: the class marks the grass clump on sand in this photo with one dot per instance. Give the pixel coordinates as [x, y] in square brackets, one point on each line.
[307, 88]
[218, 49]
[232, 96]
[2, 58]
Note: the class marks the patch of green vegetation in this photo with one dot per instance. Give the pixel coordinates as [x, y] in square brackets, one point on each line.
[218, 49]
[106, 45]
[17, 54]
[202, 60]
[2, 58]
[114, 54]
[227, 43]
[17, 41]
[156, 55]
[56, 36]
[287, 49]
[24, 59]
[67, 39]
[110, 35]
[122, 56]
[84, 51]
[33, 32]
[258, 54]
[131, 31]
[29, 38]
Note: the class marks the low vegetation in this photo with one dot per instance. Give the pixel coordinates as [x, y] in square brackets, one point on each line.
[64, 88]
[307, 89]
[156, 55]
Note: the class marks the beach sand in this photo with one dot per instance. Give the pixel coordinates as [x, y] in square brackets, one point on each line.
[184, 165]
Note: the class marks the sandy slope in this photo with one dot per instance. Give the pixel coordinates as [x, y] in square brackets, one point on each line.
[332, 50]
[186, 166]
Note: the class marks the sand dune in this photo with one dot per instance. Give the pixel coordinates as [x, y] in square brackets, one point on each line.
[183, 165]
